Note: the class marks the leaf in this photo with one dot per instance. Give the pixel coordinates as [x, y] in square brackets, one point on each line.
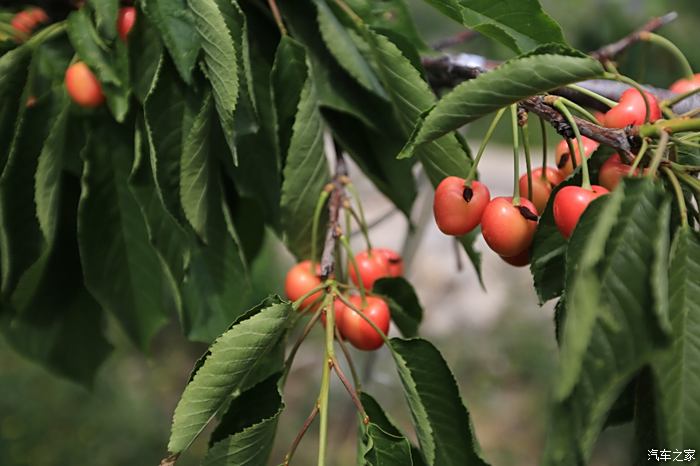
[122, 270]
[384, 444]
[341, 45]
[439, 416]
[519, 24]
[247, 429]
[145, 51]
[406, 311]
[513, 81]
[221, 60]
[305, 174]
[389, 15]
[234, 355]
[14, 66]
[177, 27]
[106, 12]
[678, 368]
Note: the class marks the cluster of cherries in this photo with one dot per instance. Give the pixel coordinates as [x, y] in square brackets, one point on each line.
[81, 83]
[26, 21]
[509, 227]
[372, 265]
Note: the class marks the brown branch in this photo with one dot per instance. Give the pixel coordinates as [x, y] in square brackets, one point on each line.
[300, 435]
[610, 51]
[336, 202]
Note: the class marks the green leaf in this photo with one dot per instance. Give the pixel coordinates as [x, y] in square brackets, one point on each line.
[305, 174]
[439, 416]
[14, 66]
[340, 43]
[221, 60]
[383, 442]
[611, 329]
[246, 432]
[106, 13]
[513, 81]
[519, 24]
[145, 51]
[678, 369]
[406, 311]
[234, 355]
[121, 268]
[389, 15]
[176, 25]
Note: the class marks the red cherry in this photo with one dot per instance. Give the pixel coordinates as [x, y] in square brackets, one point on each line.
[612, 171]
[38, 15]
[300, 280]
[505, 228]
[372, 264]
[357, 331]
[569, 204]
[82, 86]
[23, 22]
[520, 260]
[457, 208]
[630, 110]
[541, 188]
[686, 85]
[394, 261]
[600, 116]
[125, 21]
[563, 158]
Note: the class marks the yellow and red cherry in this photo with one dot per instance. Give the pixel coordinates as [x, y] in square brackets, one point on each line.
[520, 260]
[686, 85]
[562, 156]
[631, 110]
[570, 203]
[357, 331]
[541, 187]
[509, 229]
[300, 280]
[372, 264]
[82, 86]
[612, 171]
[394, 261]
[458, 208]
[125, 21]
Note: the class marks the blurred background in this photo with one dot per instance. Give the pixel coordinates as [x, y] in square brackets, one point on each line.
[497, 340]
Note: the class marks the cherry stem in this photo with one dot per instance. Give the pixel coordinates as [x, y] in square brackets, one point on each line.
[671, 48]
[293, 352]
[322, 198]
[362, 221]
[586, 182]
[516, 153]
[594, 95]
[675, 99]
[300, 435]
[278, 17]
[314, 290]
[676, 125]
[484, 142]
[368, 320]
[329, 356]
[639, 157]
[543, 132]
[528, 162]
[658, 154]
[627, 80]
[680, 198]
[585, 113]
[351, 391]
[684, 142]
[353, 263]
[572, 152]
[348, 358]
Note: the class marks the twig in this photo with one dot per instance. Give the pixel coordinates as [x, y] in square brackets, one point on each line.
[336, 201]
[300, 435]
[351, 391]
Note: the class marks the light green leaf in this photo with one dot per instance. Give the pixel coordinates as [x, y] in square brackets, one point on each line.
[234, 355]
[439, 416]
[513, 81]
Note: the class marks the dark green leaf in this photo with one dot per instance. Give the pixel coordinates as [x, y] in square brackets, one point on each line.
[106, 14]
[14, 66]
[234, 355]
[389, 15]
[383, 442]
[513, 81]
[145, 50]
[439, 415]
[406, 311]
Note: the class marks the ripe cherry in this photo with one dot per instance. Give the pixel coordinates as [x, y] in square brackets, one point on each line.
[505, 227]
[612, 171]
[38, 15]
[82, 86]
[686, 85]
[569, 204]
[541, 188]
[394, 261]
[520, 260]
[125, 21]
[301, 280]
[23, 22]
[563, 158]
[457, 208]
[357, 331]
[373, 265]
[631, 110]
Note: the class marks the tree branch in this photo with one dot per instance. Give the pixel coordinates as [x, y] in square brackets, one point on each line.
[334, 205]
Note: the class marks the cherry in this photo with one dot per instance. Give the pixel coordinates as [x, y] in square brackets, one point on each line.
[563, 158]
[300, 280]
[686, 85]
[612, 171]
[38, 15]
[373, 265]
[457, 208]
[23, 22]
[394, 261]
[600, 117]
[357, 331]
[82, 86]
[125, 21]
[520, 260]
[541, 188]
[569, 204]
[630, 110]
[505, 227]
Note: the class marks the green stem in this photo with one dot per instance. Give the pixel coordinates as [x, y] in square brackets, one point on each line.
[586, 183]
[680, 198]
[348, 358]
[672, 49]
[588, 115]
[528, 161]
[353, 263]
[484, 142]
[572, 153]
[516, 153]
[676, 125]
[658, 154]
[47, 33]
[362, 220]
[278, 17]
[634, 84]
[293, 352]
[639, 157]
[594, 95]
[297, 303]
[543, 131]
[677, 98]
[329, 356]
[322, 198]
